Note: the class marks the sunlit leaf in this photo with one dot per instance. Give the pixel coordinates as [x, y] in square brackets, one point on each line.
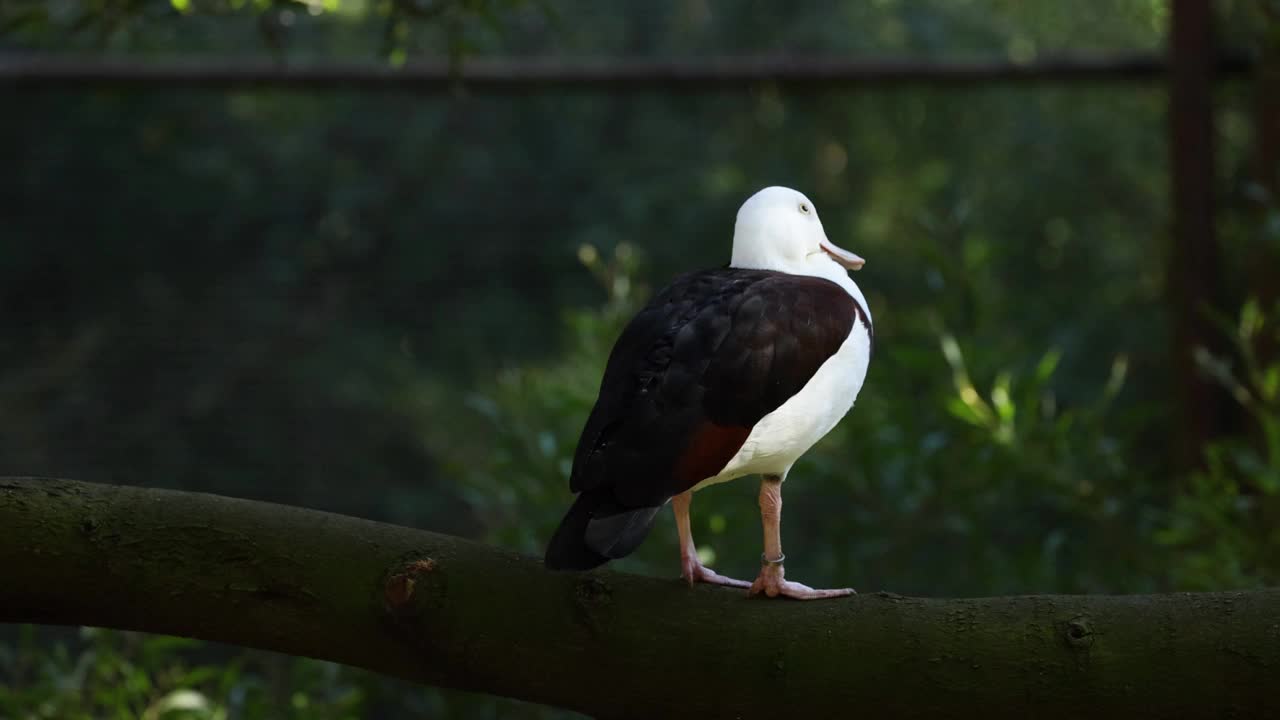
[1270, 384]
[1251, 319]
[1116, 378]
[1048, 363]
[1000, 398]
[951, 351]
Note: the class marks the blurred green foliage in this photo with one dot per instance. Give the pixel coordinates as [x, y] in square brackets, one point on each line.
[125, 676]
[55, 674]
[398, 306]
[1226, 522]
[1071, 515]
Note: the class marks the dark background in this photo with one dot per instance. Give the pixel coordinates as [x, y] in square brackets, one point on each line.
[397, 303]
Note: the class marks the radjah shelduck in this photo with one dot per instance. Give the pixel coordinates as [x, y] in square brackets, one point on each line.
[725, 373]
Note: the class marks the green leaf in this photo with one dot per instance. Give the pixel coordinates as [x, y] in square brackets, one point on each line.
[1000, 398]
[963, 411]
[198, 676]
[951, 351]
[1115, 381]
[1251, 320]
[1270, 383]
[1047, 364]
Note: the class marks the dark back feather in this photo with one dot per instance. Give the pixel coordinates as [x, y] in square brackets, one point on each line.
[691, 374]
[722, 347]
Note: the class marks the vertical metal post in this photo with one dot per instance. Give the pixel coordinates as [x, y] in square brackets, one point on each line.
[1265, 258]
[1192, 278]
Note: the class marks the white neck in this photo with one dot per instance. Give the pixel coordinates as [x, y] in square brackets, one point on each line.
[816, 265]
[842, 279]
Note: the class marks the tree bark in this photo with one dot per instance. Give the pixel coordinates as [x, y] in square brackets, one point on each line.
[455, 613]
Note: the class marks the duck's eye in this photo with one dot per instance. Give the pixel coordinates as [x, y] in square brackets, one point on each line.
[804, 208]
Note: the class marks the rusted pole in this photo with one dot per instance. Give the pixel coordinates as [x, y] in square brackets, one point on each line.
[515, 75]
[1192, 279]
[1265, 280]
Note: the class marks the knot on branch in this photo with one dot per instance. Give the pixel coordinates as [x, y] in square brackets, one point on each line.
[592, 597]
[592, 592]
[778, 668]
[1079, 632]
[399, 587]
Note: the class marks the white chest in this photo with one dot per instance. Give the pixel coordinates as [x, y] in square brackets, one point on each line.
[782, 436]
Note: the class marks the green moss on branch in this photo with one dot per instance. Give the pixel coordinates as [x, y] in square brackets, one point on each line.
[450, 612]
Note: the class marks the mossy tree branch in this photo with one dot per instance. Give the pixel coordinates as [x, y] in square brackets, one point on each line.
[450, 612]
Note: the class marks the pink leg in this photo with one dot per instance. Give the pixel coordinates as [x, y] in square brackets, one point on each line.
[690, 569]
[770, 581]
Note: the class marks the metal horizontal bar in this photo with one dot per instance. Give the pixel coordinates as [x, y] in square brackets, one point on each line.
[534, 74]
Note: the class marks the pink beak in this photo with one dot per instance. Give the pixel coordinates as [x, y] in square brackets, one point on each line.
[842, 256]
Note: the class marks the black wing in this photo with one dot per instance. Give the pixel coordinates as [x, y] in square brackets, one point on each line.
[696, 369]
